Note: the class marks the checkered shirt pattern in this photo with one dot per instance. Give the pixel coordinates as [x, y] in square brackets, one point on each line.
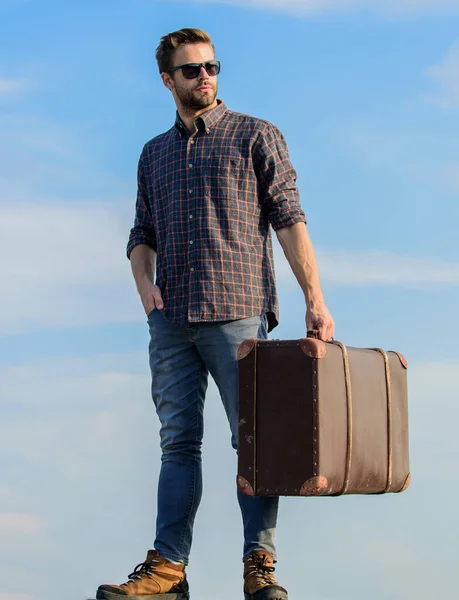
[205, 204]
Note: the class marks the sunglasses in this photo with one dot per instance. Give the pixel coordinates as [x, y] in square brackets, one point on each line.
[193, 70]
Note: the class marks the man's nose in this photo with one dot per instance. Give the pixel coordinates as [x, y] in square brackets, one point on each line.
[203, 74]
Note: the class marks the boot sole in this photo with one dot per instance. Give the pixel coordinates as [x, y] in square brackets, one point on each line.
[174, 596]
[267, 595]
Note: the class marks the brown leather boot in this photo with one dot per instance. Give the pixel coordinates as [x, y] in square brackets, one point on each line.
[155, 579]
[259, 580]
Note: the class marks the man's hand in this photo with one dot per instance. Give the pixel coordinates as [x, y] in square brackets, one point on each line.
[150, 295]
[143, 263]
[319, 318]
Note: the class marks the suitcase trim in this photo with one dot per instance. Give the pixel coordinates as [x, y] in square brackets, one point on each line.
[347, 379]
[389, 418]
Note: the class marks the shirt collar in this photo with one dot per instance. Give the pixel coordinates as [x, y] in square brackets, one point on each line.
[205, 121]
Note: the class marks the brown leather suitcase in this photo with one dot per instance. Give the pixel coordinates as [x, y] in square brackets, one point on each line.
[320, 419]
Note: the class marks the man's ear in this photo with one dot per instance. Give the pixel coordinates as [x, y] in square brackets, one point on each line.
[167, 80]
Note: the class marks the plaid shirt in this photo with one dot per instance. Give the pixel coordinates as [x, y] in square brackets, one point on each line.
[205, 204]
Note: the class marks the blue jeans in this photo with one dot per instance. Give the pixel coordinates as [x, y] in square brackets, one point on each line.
[181, 357]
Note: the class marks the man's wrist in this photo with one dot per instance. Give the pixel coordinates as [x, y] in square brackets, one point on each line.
[313, 294]
[144, 279]
[314, 302]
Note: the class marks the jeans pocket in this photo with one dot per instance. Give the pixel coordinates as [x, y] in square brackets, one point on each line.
[150, 313]
[263, 331]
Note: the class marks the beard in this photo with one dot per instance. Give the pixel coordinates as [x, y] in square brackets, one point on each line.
[195, 100]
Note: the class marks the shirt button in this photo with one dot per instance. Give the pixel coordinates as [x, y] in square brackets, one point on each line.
[190, 217]
[192, 269]
[192, 142]
[191, 166]
[190, 191]
[191, 242]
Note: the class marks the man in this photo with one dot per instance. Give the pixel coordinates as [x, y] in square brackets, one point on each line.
[208, 190]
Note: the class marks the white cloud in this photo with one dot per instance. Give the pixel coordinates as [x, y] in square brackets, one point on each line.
[69, 243]
[11, 86]
[20, 524]
[86, 408]
[384, 268]
[446, 76]
[433, 387]
[312, 7]
[64, 263]
[373, 268]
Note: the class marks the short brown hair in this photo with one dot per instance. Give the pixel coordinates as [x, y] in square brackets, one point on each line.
[172, 41]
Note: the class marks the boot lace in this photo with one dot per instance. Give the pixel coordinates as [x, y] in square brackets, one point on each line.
[145, 568]
[261, 571]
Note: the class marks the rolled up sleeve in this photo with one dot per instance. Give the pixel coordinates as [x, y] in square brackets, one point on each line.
[276, 176]
[143, 231]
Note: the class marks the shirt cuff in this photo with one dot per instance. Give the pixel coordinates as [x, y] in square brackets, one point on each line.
[278, 221]
[136, 241]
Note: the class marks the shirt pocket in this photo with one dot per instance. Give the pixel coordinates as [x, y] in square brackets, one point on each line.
[225, 175]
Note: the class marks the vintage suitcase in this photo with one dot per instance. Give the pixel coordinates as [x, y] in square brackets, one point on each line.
[320, 419]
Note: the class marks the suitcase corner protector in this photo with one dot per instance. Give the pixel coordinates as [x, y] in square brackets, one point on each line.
[407, 483]
[245, 348]
[316, 486]
[313, 348]
[402, 359]
[244, 486]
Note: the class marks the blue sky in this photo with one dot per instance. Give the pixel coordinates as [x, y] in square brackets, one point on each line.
[367, 96]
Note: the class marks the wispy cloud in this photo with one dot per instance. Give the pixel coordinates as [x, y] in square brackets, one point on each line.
[83, 406]
[72, 240]
[312, 7]
[446, 76]
[432, 383]
[384, 268]
[18, 524]
[11, 86]
[350, 269]
[68, 267]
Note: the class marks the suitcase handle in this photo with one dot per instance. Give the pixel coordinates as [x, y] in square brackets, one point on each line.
[314, 333]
